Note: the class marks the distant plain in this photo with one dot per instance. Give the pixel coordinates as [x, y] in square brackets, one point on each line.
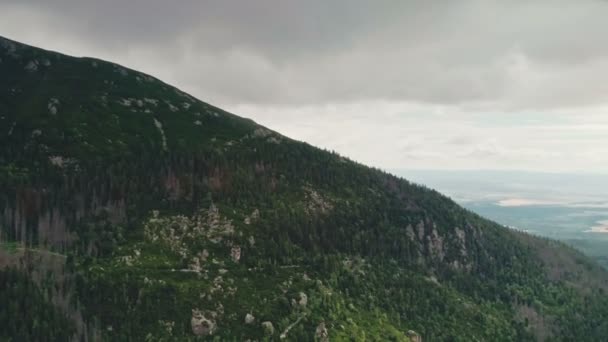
[572, 208]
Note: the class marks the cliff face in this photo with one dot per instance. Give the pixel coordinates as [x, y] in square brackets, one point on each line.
[158, 216]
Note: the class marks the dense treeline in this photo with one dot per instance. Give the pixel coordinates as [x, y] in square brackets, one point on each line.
[26, 312]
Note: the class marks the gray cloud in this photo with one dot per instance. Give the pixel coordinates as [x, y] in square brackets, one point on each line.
[515, 54]
[431, 84]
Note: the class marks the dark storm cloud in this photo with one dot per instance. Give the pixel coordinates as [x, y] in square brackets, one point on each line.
[276, 27]
[503, 54]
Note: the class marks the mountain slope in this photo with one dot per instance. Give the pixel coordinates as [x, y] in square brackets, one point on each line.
[133, 211]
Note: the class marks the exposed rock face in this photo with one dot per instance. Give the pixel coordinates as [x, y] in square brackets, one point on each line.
[179, 231]
[249, 319]
[316, 202]
[321, 333]
[196, 264]
[168, 325]
[235, 253]
[60, 161]
[413, 336]
[252, 218]
[420, 229]
[159, 126]
[435, 244]
[410, 233]
[268, 328]
[32, 66]
[303, 300]
[52, 106]
[261, 132]
[201, 325]
[461, 236]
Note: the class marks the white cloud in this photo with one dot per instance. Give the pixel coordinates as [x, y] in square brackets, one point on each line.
[403, 135]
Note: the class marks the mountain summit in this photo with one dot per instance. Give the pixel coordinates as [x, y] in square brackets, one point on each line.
[130, 210]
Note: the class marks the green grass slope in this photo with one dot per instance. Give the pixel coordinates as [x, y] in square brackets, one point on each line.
[171, 220]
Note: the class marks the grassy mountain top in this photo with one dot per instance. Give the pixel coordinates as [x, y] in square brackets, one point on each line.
[132, 211]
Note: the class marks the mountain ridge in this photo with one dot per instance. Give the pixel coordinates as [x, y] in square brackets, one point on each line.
[173, 219]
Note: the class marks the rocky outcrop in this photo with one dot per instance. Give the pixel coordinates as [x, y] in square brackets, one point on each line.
[321, 333]
[420, 230]
[302, 301]
[435, 244]
[168, 326]
[179, 231]
[235, 253]
[201, 324]
[252, 218]
[409, 231]
[268, 328]
[461, 238]
[249, 319]
[413, 336]
[196, 264]
[316, 203]
[52, 106]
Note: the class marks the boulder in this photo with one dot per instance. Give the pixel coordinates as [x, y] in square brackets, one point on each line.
[268, 328]
[413, 336]
[303, 300]
[235, 253]
[201, 325]
[321, 333]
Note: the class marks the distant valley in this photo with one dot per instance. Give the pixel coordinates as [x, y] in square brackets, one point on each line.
[569, 207]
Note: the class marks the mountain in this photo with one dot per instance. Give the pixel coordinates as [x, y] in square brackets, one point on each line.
[130, 210]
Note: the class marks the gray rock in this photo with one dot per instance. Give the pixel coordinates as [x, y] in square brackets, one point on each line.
[268, 328]
[249, 319]
[321, 333]
[303, 301]
[235, 253]
[413, 336]
[31, 66]
[201, 325]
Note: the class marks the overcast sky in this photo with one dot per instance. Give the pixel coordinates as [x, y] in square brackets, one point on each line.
[462, 84]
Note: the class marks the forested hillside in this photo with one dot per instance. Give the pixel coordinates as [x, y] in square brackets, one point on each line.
[131, 211]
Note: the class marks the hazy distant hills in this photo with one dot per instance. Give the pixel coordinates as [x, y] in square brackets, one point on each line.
[568, 207]
[130, 210]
